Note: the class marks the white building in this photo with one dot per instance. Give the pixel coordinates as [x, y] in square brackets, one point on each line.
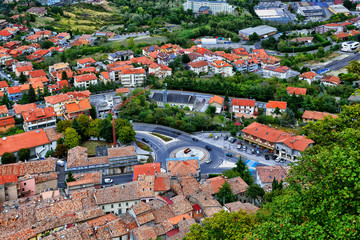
[199, 66]
[243, 107]
[39, 118]
[349, 46]
[214, 6]
[272, 105]
[279, 72]
[85, 80]
[223, 68]
[133, 77]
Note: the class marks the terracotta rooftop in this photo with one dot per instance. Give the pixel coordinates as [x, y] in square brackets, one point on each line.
[189, 185]
[118, 193]
[297, 91]
[331, 79]
[86, 60]
[162, 182]
[52, 134]
[121, 152]
[4, 84]
[314, 115]
[275, 104]
[85, 77]
[74, 107]
[217, 99]
[4, 109]
[146, 186]
[268, 173]
[57, 99]
[133, 71]
[28, 168]
[6, 121]
[236, 206]
[182, 168]
[94, 176]
[309, 75]
[78, 157]
[180, 205]
[38, 114]
[8, 179]
[243, 102]
[122, 90]
[144, 233]
[198, 64]
[147, 169]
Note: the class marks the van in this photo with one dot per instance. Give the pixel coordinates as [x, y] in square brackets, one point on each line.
[60, 163]
[238, 147]
[216, 138]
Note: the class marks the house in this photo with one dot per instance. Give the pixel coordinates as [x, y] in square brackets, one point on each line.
[133, 77]
[296, 91]
[315, 115]
[59, 67]
[66, 74]
[174, 99]
[266, 175]
[3, 86]
[247, 65]
[146, 169]
[6, 123]
[160, 71]
[85, 80]
[4, 112]
[14, 93]
[73, 109]
[38, 141]
[114, 161]
[243, 107]
[20, 108]
[282, 72]
[57, 102]
[147, 50]
[30, 185]
[121, 56]
[37, 73]
[309, 77]
[8, 188]
[38, 11]
[223, 68]
[105, 77]
[207, 203]
[24, 70]
[4, 58]
[217, 101]
[237, 206]
[332, 81]
[180, 167]
[86, 62]
[84, 180]
[273, 105]
[87, 70]
[284, 145]
[142, 213]
[195, 57]
[39, 118]
[199, 67]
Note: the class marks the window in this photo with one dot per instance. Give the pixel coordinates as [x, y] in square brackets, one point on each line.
[119, 204]
[102, 207]
[112, 206]
[23, 189]
[127, 204]
[25, 184]
[120, 211]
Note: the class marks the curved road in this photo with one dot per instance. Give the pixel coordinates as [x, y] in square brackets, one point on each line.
[162, 151]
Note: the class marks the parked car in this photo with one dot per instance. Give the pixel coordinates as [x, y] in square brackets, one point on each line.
[60, 163]
[145, 140]
[208, 161]
[240, 143]
[233, 140]
[238, 147]
[226, 138]
[108, 180]
[257, 152]
[252, 151]
[195, 139]
[228, 154]
[280, 160]
[273, 157]
[177, 133]
[186, 151]
[244, 148]
[267, 157]
[208, 148]
[216, 138]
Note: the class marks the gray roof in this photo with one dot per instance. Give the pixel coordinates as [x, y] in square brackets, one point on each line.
[174, 98]
[260, 30]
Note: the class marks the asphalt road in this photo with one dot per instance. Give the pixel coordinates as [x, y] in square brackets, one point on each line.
[339, 64]
[162, 151]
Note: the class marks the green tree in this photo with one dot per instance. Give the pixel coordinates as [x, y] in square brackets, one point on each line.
[6, 101]
[255, 192]
[31, 94]
[64, 75]
[24, 154]
[244, 172]
[254, 37]
[225, 194]
[22, 78]
[277, 111]
[72, 138]
[211, 110]
[185, 58]
[93, 129]
[131, 43]
[60, 150]
[223, 225]
[8, 158]
[126, 134]
[70, 177]
[353, 67]
[46, 44]
[61, 126]
[105, 130]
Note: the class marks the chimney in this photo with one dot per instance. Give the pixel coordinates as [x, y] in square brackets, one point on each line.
[4, 138]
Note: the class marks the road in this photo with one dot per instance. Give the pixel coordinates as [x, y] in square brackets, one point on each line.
[339, 64]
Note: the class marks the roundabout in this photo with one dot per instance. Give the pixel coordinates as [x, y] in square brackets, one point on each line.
[191, 151]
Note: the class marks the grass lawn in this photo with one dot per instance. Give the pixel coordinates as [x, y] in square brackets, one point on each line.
[144, 39]
[90, 145]
[143, 146]
[166, 139]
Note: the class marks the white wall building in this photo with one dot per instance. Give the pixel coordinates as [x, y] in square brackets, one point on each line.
[214, 6]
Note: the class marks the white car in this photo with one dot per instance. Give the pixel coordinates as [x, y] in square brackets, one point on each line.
[208, 161]
[108, 180]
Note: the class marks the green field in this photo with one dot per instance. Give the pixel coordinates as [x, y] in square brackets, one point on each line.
[148, 40]
[90, 145]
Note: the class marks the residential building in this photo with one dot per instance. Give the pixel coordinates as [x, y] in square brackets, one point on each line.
[208, 204]
[218, 102]
[223, 68]
[180, 167]
[14, 93]
[263, 31]
[215, 7]
[24, 70]
[199, 67]
[105, 77]
[266, 175]
[237, 206]
[146, 169]
[316, 116]
[59, 67]
[284, 145]
[133, 77]
[296, 91]
[248, 65]
[20, 108]
[6, 123]
[282, 72]
[85, 180]
[115, 161]
[273, 105]
[31, 185]
[243, 108]
[337, 27]
[103, 108]
[58, 86]
[57, 102]
[121, 56]
[3, 86]
[160, 71]
[309, 77]
[74, 108]
[39, 118]
[4, 58]
[4, 112]
[8, 188]
[174, 99]
[84, 81]
[86, 62]
[38, 141]
[332, 81]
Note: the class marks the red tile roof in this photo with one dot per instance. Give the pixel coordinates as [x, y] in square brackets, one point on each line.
[331, 79]
[6, 121]
[217, 99]
[24, 68]
[198, 64]
[122, 90]
[23, 140]
[133, 71]
[309, 75]
[147, 169]
[74, 107]
[4, 109]
[4, 84]
[37, 114]
[297, 91]
[275, 104]
[243, 102]
[37, 73]
[24, 108]
[314, 115]
[14, 90]
[85, 77]
[281, 69]
[8, 179]
[57, 98]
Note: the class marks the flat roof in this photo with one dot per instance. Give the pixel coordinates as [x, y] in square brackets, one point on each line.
[260, 30]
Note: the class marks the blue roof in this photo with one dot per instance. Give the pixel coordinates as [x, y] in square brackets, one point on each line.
[203, 8]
